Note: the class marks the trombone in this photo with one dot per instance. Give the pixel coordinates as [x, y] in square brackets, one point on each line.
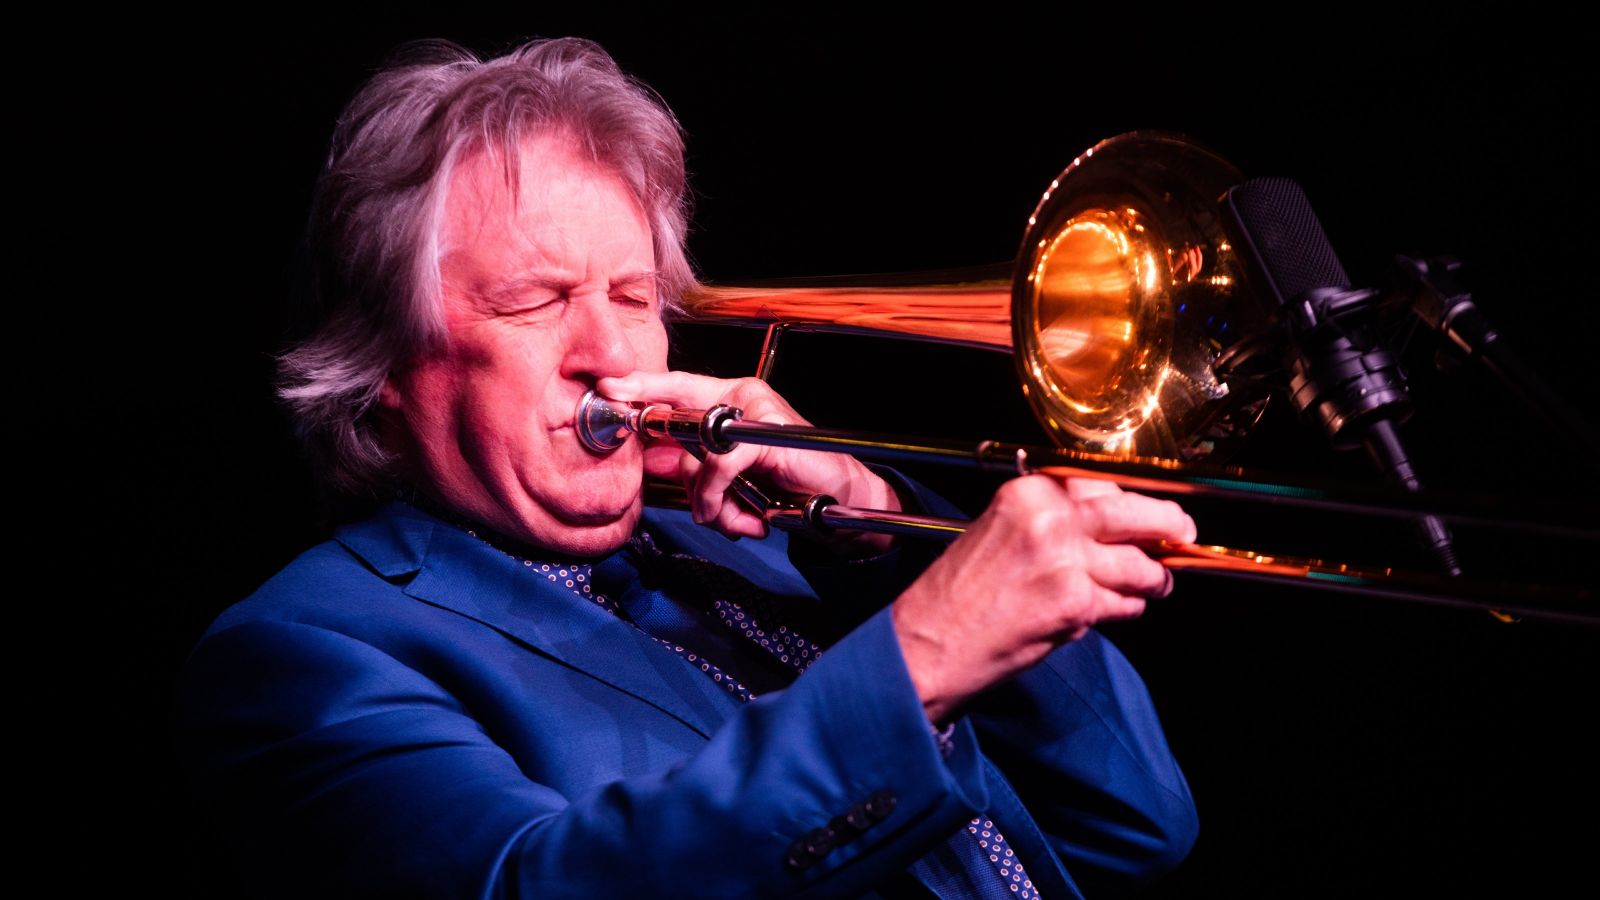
[1125, 318]
[603, 425]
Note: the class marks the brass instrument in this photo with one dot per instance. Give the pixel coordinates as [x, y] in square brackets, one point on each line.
[1125, 302]
[1124, 297]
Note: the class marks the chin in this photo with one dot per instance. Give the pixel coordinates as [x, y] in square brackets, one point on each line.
[594, 518]
[596, 536]
[589, 510]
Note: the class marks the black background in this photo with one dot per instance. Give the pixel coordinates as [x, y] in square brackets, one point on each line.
[1333, 744]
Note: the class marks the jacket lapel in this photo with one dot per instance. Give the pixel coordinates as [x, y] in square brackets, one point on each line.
[456, 571]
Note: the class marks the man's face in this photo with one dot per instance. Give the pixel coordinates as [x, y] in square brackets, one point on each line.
[543, 294]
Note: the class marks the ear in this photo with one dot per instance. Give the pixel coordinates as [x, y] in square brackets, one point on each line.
[389, 396]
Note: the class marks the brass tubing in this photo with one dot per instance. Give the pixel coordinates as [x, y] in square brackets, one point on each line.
[605, 423]
[1545, 602]
[1143, 474]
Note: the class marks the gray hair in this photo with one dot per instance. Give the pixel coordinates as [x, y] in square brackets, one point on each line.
[373, 235]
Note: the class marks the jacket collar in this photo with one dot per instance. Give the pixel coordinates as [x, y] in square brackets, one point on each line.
[451, 569]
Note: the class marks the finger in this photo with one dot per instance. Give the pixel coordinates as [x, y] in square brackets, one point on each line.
[676, 388]
[1111, 605]
[1126, 570]
[760, 402]
[1081, 484]
[1081, 488]
[1103, 605]
[1034, 492]
[1118, 607]
[688, 473]
[735, 520]
[1135, 517]
[716, 476]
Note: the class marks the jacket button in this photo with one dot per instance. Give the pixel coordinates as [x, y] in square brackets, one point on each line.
[797, 857]
[880, 805]
[819, 842]
[857, 817]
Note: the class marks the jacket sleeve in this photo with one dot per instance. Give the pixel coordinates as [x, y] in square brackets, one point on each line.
[344, 772]
[1077, 736]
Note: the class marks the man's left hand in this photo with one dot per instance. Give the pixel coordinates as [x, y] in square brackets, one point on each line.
[800, 473]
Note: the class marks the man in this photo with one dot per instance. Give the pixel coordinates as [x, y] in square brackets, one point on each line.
[514, 681]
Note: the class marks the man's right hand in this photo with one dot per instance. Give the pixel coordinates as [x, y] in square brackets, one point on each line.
[1046, 561]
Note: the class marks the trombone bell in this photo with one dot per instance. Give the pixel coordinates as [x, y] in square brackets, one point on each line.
[1125, 294]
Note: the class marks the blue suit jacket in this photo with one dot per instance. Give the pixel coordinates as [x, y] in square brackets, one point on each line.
[403, 711]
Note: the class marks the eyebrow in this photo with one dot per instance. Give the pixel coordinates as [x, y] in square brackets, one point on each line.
[632, 278]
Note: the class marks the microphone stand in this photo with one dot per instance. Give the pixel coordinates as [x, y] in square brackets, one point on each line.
[1435, 294]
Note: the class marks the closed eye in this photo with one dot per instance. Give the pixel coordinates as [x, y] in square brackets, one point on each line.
[633, 306]
[529, 306]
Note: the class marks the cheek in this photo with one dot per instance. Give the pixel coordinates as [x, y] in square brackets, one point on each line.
[517, 371]
[497, 398]
[430, 400]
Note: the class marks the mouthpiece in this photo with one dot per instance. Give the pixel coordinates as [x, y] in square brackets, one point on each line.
[603, 425]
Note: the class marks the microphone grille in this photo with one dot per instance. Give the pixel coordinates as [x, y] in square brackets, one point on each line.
[1289, 240]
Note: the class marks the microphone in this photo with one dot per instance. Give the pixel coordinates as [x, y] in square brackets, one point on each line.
[1340, 376]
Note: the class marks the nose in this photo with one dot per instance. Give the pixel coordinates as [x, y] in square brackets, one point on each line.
[597, 341]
